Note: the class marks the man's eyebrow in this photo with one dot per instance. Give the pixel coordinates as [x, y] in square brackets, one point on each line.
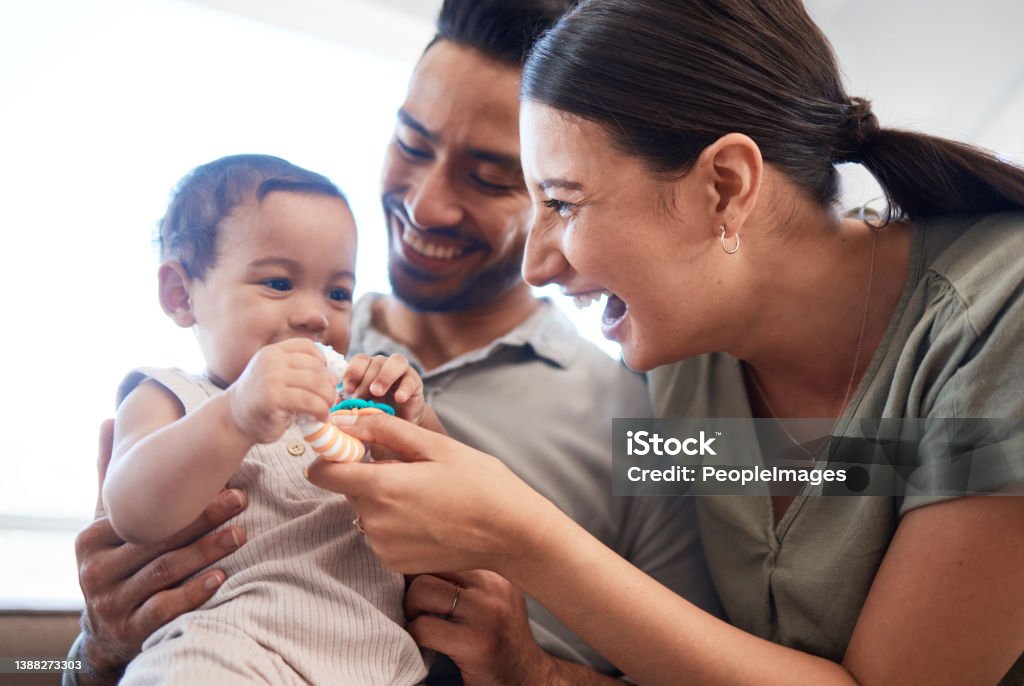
[560, 183]
[510, 162]
[414, 124]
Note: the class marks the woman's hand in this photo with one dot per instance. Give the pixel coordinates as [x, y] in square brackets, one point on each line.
[131, 590]
[447, 507]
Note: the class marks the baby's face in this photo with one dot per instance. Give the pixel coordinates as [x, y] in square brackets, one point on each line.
[285, 268]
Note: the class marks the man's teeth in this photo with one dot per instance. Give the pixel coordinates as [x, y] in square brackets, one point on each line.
[585, 300]
[431, 250]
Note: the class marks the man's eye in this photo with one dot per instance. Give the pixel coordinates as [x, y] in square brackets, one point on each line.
[340, 294]
[490, 185]
[564, 209]
[278, 284]
[410, 151]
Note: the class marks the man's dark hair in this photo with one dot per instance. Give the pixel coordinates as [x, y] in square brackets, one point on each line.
[504, 30]
[209, 193]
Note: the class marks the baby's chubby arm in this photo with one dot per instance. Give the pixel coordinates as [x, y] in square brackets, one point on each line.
[167, 466]
[395, 381]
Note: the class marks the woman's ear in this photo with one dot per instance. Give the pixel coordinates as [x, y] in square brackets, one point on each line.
[732, 167]
[174, 286]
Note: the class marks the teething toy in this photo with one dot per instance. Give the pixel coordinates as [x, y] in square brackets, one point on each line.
[330, 442]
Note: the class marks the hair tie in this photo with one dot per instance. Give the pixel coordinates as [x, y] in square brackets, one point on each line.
[859, 130]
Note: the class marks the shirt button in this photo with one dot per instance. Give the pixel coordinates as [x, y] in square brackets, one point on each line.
[296, 449]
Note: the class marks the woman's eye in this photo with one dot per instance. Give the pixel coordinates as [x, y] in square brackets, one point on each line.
[564, 209]
[278, 284]
[410, 151]
[340, 294]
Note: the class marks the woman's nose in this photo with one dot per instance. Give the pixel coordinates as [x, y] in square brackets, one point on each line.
[543, 261]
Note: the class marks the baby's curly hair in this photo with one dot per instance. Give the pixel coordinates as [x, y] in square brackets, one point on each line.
[209, 193]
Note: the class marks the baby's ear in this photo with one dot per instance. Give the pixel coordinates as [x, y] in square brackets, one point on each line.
[174, 286]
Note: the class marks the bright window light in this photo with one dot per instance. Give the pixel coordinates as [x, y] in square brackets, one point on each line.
[106, 104]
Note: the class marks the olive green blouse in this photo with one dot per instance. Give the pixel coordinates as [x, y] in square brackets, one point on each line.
[953, 349]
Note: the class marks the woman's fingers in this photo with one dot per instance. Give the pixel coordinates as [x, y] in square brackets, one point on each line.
[402, 440]
[407, 441]
[351, 479]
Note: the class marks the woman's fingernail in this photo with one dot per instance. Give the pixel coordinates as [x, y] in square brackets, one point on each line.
[230, 540]
[213, 581]
[232, 501]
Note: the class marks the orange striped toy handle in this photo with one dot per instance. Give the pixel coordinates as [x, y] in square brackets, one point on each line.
[333, 444]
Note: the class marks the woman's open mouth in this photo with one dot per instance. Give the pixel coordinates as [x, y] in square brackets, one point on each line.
[615, 308]
[614, 311]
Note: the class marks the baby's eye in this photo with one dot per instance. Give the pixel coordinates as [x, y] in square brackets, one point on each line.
[340, 294]
[278, 284]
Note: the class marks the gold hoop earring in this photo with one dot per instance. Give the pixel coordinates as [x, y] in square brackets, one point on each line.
[721, 237]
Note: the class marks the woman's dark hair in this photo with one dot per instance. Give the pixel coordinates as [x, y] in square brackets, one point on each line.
[666, 78]
[503, 30]
[209, 193]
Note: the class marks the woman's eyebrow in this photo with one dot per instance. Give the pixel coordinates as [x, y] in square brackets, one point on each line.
[564, 184]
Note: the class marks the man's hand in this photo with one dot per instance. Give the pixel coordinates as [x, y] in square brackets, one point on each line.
[131, 590]
[488, 633]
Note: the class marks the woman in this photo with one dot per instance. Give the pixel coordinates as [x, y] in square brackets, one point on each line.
[681, 157]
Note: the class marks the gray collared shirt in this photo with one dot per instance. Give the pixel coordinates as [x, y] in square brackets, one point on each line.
[541, 398]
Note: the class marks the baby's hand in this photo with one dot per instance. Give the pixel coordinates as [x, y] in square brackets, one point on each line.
[282, 379]
[390, 379]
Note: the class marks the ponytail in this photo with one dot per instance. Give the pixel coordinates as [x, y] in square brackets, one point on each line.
[924, 176]
[665, 79]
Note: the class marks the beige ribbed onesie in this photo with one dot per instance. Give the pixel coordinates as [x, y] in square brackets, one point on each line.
[305, 601]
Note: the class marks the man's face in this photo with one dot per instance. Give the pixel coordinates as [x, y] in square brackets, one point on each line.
[454, 200]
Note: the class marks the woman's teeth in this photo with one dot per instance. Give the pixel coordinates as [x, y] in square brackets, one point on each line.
[585, 300]
[431, 250]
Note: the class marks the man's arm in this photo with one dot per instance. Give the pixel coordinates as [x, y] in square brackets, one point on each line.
[131, 590]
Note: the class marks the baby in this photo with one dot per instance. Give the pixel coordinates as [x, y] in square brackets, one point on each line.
[259, 260]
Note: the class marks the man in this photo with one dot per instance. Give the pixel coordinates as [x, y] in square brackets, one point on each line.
[506, 372]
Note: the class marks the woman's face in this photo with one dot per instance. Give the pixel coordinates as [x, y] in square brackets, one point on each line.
[604, 224]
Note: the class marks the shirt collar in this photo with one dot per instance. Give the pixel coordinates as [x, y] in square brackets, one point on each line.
[548, 333]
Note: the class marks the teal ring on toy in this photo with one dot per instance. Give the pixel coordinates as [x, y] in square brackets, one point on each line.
[358, 404]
